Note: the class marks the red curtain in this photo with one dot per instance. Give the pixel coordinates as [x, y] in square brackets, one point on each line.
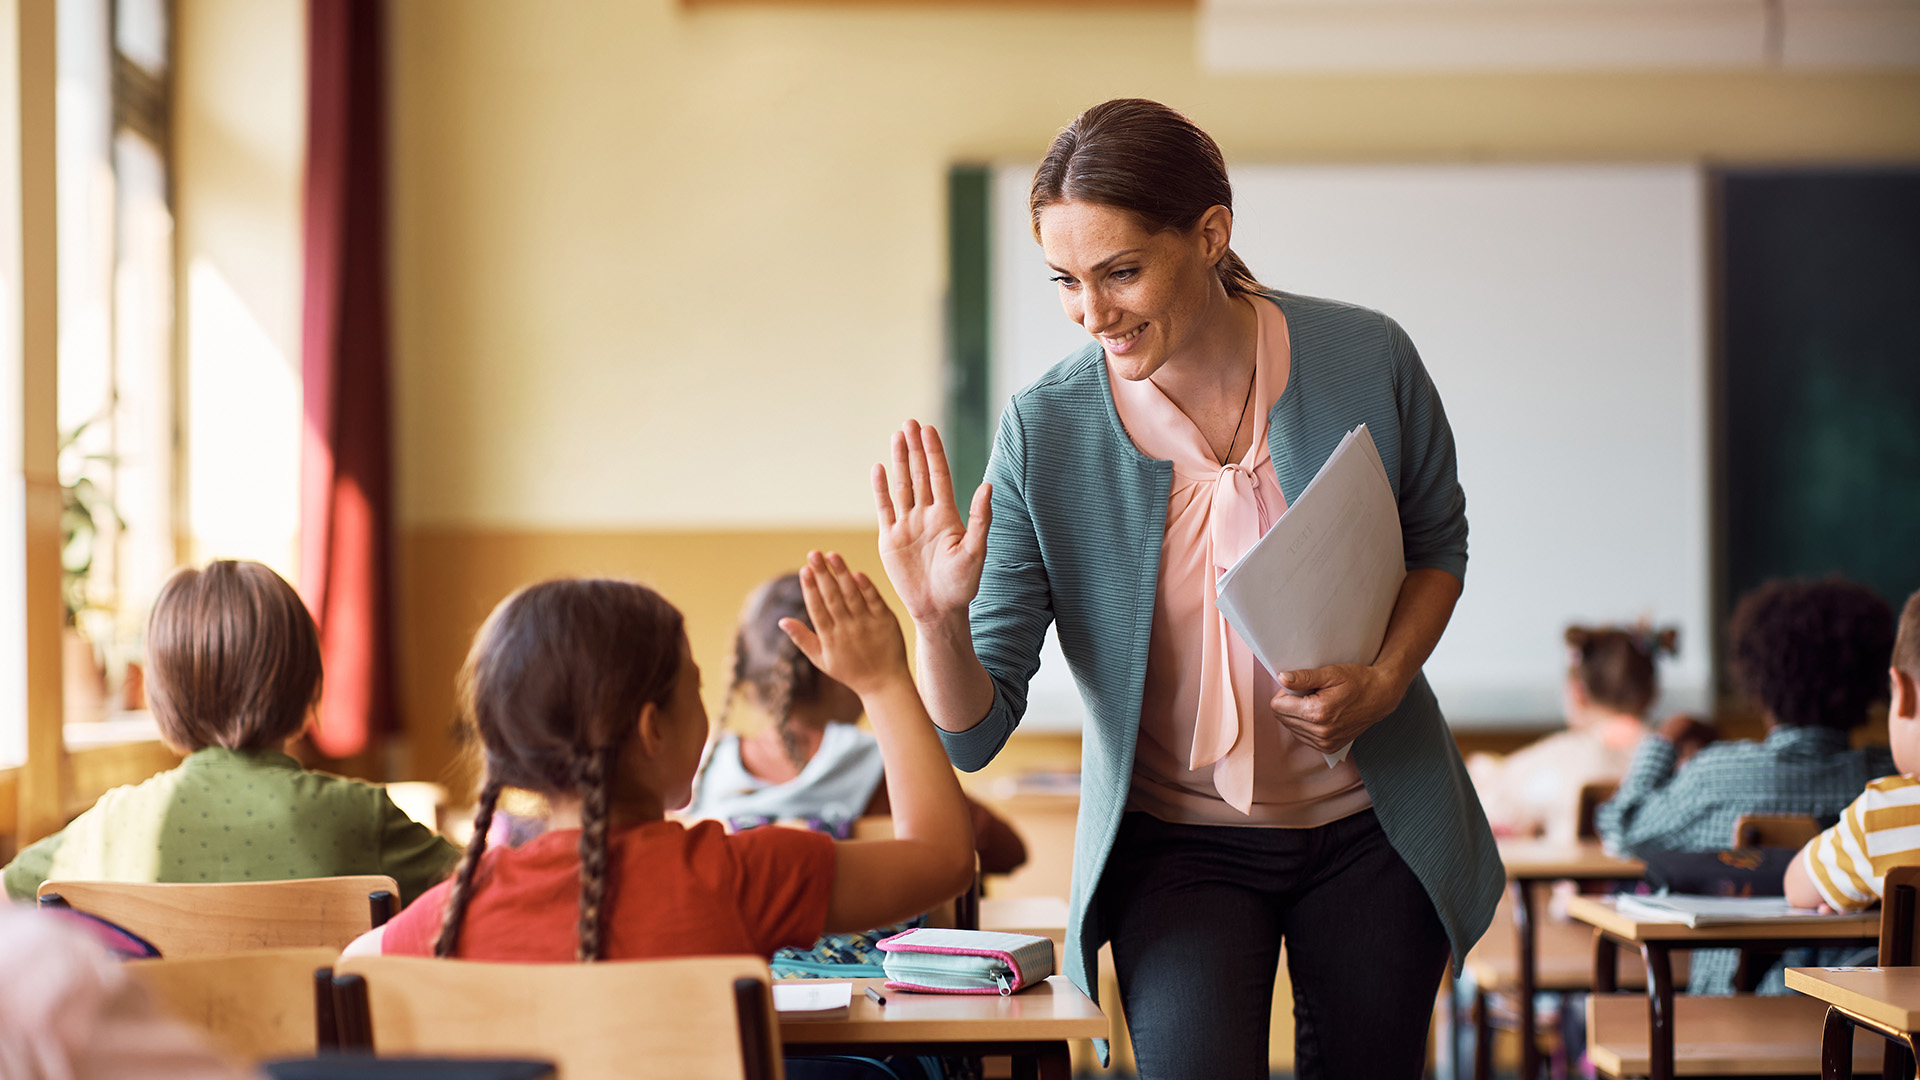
[346, 452]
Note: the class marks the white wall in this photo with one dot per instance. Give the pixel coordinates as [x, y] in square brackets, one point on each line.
[1560, 311]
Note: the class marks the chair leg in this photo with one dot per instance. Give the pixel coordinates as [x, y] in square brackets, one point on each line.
[326, 1029]
[1896, 1063]
[352, 1016]
[1482, 1037]
[753, 1008]
[1836, 1047]
[379, 907]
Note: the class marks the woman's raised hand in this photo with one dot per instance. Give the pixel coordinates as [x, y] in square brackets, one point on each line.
[933, 560]
[855, 637]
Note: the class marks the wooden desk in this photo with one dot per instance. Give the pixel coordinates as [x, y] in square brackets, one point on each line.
[1657, 941]
[1528, 862]
[1032, 1026]
[1885, 1000]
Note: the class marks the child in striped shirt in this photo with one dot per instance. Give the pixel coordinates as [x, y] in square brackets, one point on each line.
[1845, 868]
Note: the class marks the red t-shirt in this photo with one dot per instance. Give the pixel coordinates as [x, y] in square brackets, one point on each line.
[672, 890]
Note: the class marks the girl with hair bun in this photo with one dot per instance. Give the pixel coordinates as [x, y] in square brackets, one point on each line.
[586, 692]
[810, 762]
[1612, 680]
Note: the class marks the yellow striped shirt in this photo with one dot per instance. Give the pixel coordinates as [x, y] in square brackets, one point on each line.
[1879, 831]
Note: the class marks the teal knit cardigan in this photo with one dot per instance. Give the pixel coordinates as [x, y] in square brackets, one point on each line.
[1078, 519]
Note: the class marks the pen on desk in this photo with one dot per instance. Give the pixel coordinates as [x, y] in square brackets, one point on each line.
[878, 998]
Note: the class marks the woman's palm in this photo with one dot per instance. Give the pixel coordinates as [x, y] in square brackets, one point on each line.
[933, 559]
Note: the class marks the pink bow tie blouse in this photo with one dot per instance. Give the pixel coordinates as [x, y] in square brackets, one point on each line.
[1210, 750]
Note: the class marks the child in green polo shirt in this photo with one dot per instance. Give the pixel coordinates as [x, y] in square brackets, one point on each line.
[233, 671]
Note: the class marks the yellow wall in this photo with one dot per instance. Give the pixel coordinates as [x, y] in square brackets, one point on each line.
[239, 144]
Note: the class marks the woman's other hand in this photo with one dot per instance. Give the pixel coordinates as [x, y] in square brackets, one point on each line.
[855, 637]
[1329, 707]
[932, 558]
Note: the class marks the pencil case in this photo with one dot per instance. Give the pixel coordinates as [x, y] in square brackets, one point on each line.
[940, 961]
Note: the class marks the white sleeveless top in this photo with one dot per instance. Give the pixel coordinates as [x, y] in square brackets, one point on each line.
[835, 786]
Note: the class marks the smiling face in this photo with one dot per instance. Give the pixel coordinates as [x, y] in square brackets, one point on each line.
[1145, 296]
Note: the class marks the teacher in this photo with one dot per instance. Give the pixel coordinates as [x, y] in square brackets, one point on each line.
[1122, 482]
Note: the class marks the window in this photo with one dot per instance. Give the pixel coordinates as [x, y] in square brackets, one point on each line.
[116, 413]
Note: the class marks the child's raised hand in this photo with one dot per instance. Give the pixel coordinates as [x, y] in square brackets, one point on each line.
[855, 637]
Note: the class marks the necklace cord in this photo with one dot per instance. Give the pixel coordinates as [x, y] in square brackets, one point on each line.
[1237, 424]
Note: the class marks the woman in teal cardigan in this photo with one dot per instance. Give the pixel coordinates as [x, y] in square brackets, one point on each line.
[1119, 483]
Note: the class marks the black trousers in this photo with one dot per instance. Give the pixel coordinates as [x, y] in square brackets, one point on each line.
[1197, 913]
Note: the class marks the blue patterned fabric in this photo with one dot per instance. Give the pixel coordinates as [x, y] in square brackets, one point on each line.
[1079, 515]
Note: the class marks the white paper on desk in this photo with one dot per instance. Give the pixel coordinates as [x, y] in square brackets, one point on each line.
[811, 996]
[1319, 587]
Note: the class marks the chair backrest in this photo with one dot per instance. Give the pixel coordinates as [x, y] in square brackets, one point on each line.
[1774, 830]
[1900, 916]
[1591, 796]
[200, 920]
[255, 1005]
[705, 1018]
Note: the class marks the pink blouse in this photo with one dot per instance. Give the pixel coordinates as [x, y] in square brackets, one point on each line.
[1210, 750]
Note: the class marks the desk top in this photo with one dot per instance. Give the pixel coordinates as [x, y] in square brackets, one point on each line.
[1542, 860]
[1601, 912]
[1889, 996]
[1055, 1009]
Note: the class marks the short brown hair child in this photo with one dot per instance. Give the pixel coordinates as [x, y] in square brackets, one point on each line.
[233, 659]
[233, 665]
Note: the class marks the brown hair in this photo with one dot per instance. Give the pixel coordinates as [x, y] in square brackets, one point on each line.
[233, 658]
[553, 686]
[768, 663]
[1146, 159]
[1906, 642]
[1812, 653]
[1615, 665]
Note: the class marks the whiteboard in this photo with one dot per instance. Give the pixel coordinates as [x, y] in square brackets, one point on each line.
[1561, 312]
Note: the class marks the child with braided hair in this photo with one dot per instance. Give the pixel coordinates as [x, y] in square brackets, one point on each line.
[586, 692]
[810, 762]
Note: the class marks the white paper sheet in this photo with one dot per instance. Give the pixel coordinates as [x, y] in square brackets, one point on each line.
[811, 996]
[1320, 586]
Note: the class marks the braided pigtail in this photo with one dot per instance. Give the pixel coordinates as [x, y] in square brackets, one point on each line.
[595, 780]
[782, 688]
[462, 890]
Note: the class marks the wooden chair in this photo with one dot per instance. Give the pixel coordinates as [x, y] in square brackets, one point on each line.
[268, 1003]
[707, 1018]
[1591, 796]
[1774, 830]
[1899, 928]
[227, 917]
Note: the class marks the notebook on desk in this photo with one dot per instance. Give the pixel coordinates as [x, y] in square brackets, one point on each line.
[1698, 911]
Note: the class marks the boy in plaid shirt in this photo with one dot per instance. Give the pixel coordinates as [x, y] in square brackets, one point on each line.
[1812, 655]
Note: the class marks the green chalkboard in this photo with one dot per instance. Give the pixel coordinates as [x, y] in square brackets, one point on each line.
[1818, 328]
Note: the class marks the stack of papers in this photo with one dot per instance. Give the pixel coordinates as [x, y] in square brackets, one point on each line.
[811, 999]
[1320, 586]
[1699, 911]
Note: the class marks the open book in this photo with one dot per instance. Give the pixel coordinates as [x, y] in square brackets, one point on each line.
[1699, 911]
[1320, 586]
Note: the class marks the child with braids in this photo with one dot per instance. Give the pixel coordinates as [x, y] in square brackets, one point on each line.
[810, 762]
[586, 692]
